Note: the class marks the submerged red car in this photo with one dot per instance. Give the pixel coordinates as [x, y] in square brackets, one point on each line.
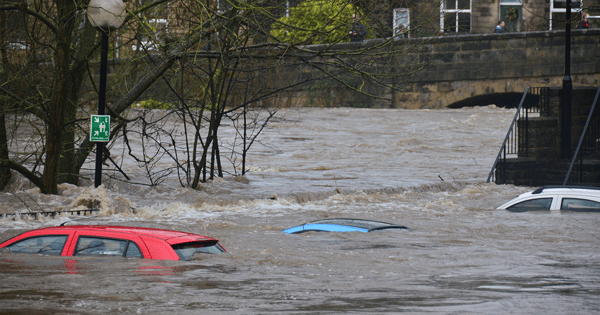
[106, 240]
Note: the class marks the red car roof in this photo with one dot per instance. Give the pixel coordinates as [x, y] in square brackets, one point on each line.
[171, 237]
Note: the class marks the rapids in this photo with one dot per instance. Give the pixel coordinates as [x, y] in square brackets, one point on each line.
[425, 169]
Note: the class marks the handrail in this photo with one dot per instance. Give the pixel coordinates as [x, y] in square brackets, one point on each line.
[587, 123]
[507, 135]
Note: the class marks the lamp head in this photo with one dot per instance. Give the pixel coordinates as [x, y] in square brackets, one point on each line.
[106, 14]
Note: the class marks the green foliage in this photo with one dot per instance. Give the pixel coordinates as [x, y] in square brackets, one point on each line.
[153, 104]
[316, 22]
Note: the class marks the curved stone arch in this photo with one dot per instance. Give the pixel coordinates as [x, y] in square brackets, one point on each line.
[507, 100]
[470, 93]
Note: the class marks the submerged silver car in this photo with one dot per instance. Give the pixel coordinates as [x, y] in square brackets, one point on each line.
[566, 198]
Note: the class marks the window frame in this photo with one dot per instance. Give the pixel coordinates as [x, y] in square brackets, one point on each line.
[514, 4]
[21, 40]
[405, 12]
[444, 11]
[554, 10]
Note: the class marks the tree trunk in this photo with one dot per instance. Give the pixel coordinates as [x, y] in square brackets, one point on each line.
[66, 18]
[4, 171]
[69, 166]
[5, 174]
[68, 172]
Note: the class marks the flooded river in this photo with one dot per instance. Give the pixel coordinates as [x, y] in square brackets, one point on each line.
[419, 168]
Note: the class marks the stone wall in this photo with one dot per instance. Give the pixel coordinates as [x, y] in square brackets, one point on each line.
[462, 67]
[475, 69]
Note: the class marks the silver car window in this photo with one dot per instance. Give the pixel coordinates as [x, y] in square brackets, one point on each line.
[576, 204]
[532, 205]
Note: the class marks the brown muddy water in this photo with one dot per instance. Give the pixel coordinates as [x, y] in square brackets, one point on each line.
[419, 168]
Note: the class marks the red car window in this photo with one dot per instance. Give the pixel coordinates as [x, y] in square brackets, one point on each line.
[93, 246]
[133, 251]
[43, 233]
[114, 244]
[45, 245]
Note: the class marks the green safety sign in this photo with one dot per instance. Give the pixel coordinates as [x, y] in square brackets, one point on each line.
[100, 128]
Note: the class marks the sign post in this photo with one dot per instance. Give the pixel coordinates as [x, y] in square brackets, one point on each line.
[100, 128]
[99, 133]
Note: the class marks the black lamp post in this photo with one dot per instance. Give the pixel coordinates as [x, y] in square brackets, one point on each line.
[105, 15]
[565, 152]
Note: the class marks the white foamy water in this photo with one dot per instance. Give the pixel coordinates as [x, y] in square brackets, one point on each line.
[419, 168]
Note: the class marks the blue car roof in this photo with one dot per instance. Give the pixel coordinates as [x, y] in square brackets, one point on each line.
[343, 225]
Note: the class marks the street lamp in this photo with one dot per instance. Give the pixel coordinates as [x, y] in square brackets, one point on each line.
[105, 15]
[565, 151]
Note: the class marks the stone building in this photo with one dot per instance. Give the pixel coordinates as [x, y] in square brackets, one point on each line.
[410, 18]
[405, 18]
[481, 17]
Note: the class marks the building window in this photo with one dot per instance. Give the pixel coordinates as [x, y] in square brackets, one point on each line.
[401, 23]
[13, 29]
[558, 12]
[511, 12]
[155, 28]
[455, 16]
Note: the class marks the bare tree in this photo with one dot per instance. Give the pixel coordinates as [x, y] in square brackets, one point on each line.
[206, 61]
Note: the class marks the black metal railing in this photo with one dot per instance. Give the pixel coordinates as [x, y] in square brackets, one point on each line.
[516, 142]
[587, 146]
